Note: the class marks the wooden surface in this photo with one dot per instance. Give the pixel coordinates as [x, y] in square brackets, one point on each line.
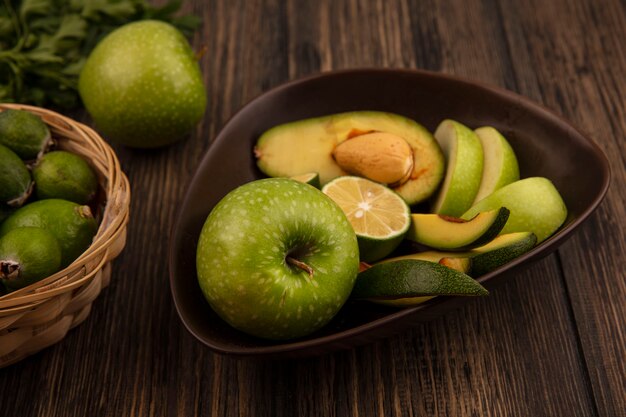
[551, 342]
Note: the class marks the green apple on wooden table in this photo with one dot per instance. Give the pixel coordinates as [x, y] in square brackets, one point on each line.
[143, 86]
[277, 258]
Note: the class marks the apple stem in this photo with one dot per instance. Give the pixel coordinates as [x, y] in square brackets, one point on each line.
[301, 265]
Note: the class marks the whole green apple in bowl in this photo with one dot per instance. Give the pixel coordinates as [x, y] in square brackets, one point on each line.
[277, 258]
[143, 86]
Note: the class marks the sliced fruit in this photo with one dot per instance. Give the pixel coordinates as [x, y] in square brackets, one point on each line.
[489, 258]
[311, 178]
[535, 205]
[408, 278]
[64, 175]
[307, 146]
[28, 254]
[500, 165]
[24, 133]
[484, 259]
[452, 233]
[458, 264]
[71, 224]
[464, 168]
[15, 182]
[379, 216]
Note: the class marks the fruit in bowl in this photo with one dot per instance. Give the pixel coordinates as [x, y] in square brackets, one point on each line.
[538, 139]
[277, 259]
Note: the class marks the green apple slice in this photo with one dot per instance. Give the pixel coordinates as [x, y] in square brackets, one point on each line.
[464, 168]
[452, 233]
[535, 205]
[500, 165]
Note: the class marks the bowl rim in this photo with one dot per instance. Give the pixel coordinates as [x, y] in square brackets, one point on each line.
[542, 249]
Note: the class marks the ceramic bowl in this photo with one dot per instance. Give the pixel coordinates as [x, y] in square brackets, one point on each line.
[545, 144]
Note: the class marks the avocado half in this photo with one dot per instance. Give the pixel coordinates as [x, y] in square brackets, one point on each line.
[306, 146]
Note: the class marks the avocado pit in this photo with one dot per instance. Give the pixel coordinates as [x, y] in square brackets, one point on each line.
[379, 156]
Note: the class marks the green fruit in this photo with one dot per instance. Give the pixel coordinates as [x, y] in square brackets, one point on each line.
[451, 233]
[501, 252]
[379, 216]
[64, 175]
[500, 165]
[27, 255]
[408, 278]
[307, 146]
[143, 86]
[536, 206]
[483, 259]
[15, 182]
[277, 258]
[71, 224]
[464, 169]
[24, 133]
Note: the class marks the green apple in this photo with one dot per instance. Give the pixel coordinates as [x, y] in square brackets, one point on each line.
[143, 86]
[277, 258]
[464, 168]
[535, 204]
[500, 165]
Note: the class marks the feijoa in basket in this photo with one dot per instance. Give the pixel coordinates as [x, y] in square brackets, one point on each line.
[60, 226]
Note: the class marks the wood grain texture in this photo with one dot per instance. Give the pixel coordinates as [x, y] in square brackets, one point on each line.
[549, 342]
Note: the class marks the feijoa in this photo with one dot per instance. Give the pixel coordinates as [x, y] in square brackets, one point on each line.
[73, 225]
[23, 132]
[27, 255]
[61, 174]
[15, 181]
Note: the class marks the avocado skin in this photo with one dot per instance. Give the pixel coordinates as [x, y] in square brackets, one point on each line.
[413, 278]
[483, 263]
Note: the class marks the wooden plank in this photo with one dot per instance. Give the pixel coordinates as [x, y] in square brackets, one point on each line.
[579, 73]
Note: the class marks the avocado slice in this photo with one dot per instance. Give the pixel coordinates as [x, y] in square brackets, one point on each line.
[306, 146]
[399, 282]
[451, 233]
[484, 259]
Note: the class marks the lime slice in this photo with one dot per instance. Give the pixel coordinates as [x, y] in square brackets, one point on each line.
[311, 178]
[380, 217]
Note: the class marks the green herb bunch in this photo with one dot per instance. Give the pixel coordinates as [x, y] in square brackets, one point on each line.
[44, 43]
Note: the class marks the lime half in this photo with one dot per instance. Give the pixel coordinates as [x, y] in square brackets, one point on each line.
[380, 217]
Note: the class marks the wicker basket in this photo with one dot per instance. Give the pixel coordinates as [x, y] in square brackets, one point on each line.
[41, 314]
